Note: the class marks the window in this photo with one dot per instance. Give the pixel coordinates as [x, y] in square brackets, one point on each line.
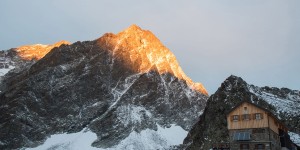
[258, 116]
[241, 136]
[235, 118]
[259, 146]
[246, 116]
[244, 146]
[245, 110]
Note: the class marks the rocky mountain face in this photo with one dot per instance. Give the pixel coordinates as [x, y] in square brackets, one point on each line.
[18, 58]
[113, 86]
[212, 126]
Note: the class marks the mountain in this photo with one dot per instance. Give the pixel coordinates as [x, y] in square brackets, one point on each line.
[212, 126]
[17, 58]
[121, 91]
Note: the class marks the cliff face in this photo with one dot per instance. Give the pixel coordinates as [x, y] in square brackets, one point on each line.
[212, 125]
[113, 86]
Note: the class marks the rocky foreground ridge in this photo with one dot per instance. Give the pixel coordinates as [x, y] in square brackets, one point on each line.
[212, 125]
[112, 86]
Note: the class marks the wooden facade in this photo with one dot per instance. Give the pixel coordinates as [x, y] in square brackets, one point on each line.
[254, 127]
[266, 118]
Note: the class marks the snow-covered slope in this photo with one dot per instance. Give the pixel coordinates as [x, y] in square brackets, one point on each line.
[162, 138]
[6, 64]
[295, 138]
[284, 100]
[5, 70]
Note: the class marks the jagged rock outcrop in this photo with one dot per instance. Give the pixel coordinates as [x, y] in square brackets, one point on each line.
[212, 126]
[113, 86]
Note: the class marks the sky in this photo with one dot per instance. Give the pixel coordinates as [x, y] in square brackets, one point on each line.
[258, 40]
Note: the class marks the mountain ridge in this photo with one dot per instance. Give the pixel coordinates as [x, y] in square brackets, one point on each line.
[133, 38]
[37, 51]
[88, 85]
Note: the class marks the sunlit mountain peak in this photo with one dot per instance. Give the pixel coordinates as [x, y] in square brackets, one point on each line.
[142, 51]
[37, 51]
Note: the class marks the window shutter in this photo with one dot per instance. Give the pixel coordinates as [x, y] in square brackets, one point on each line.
[249, 116]
[239, 117]
[231, 118]
[253, 116]
[262, 116]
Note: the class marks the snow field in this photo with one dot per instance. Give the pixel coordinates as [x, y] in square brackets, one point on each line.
[147, 139]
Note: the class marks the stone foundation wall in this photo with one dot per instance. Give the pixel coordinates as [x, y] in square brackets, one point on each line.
[263, 136]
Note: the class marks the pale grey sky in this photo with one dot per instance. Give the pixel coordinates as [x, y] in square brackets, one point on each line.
[258, 40]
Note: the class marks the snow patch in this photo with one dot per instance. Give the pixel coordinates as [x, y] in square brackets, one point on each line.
[132, 114]
[283, 105]
[74, 141]
[4, 71]
[289, 104]
[295, 138]
[147, 139]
